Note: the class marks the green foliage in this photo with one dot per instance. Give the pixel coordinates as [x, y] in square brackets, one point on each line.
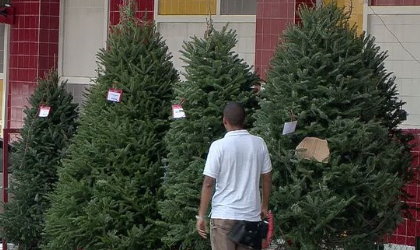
[37, 156]
[4, 2]
[108, 187]
[214, 76]
[335, 83]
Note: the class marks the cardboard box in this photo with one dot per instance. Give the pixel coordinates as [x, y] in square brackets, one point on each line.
[312, 148]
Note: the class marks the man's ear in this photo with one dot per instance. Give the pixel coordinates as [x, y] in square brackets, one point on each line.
[225, 122]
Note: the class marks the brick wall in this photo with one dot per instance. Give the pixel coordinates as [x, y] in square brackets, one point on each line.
[48, 35]
[34, 47]
[273, 17]
[406, 232]
[145, 9]
[33, 51]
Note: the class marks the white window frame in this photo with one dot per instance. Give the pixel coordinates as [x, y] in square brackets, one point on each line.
[5, 52]
[5, 75]
[78, 79]
[218, 18]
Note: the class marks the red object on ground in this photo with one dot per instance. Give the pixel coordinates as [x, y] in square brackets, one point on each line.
[270, 233]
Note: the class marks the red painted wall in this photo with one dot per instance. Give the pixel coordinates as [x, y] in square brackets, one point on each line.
[33, 51]
[299, 3]
[273, 17]
[145, 9]
[394, 2]
[406, 232]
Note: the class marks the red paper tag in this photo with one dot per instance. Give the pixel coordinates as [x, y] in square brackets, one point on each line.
[114, 95]
[44, 111]
[178, 111]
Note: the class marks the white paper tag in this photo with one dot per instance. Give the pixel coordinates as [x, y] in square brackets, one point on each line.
[177, 111]
[44, 111]
[114, 95]
[289, 127]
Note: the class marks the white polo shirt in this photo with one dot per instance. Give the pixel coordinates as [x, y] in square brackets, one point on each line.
[237, 162]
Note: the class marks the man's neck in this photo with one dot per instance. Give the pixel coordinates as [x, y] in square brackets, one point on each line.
[234, 129]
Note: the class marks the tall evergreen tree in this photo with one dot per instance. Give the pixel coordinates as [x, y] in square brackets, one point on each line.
[333, 82]
[108, 187]
[37, 156]
[214, 75]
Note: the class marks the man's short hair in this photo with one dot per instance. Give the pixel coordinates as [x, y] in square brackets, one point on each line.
[234, 113]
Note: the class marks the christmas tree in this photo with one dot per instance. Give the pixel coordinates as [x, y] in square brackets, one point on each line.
[334, 84]
[37, 156]
[108, 187]
[214, 75]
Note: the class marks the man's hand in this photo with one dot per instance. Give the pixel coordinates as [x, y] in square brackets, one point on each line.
[201, 227]
[264, 213]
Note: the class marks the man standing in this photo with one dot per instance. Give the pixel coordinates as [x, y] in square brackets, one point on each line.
[235, 164]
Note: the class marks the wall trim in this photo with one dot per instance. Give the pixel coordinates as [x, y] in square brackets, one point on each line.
[60, 39]
[78, 80]
[5, 76]
[366, 6]
[393, 10]
[107, 16]
[218, 7]
[155, 9]
[202, 18]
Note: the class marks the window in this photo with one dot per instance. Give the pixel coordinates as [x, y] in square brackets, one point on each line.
[205, 7]
[83, 34]
[187, 7]
[238, 7]
[84, 27]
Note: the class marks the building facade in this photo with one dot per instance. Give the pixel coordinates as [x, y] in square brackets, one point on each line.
[37, 35]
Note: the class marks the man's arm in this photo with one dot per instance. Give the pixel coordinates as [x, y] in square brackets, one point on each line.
[266, 190]
[206, 193]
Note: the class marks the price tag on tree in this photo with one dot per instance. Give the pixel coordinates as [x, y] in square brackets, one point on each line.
[178, 111]
[44, 111]
[289, 127]
[114, 95]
